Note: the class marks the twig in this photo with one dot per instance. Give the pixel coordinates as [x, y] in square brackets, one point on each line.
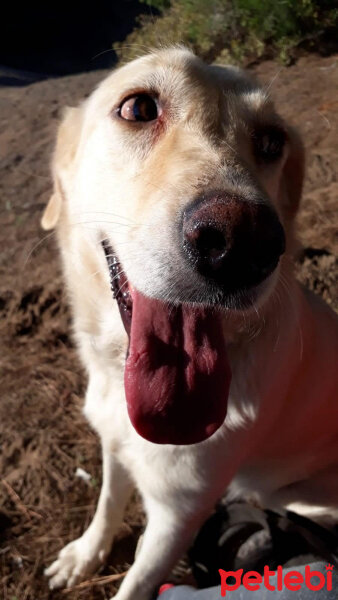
[18, 502]
[95, 581]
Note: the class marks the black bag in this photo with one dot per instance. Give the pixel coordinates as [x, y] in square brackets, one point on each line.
[242, 536]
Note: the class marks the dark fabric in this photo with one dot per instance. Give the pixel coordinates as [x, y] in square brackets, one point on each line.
[241, 536]
[183, 592]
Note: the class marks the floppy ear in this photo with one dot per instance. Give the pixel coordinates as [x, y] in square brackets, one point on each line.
[52, 211]
[66, 145]
[293, 175]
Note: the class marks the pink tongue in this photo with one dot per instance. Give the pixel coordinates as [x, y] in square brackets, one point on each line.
[177, 374]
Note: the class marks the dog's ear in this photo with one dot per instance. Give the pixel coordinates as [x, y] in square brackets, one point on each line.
[52, 211]
[293, 175]
[66, 146]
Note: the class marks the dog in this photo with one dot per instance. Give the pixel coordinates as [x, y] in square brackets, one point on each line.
[211, 371]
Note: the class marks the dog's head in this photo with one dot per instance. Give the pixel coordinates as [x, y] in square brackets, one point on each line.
[191, 179]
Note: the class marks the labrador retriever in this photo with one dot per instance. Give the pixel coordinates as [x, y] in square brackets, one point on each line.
[210, 369]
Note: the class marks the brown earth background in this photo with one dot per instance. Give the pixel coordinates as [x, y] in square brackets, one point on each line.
[43, 435]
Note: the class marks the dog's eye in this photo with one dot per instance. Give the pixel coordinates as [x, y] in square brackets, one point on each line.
[139, 108]
[268, 143]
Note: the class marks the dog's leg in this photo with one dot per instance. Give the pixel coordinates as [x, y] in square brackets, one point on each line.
[167, 535]
[81, 557]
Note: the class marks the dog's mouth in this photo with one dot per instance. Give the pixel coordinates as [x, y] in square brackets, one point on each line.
[119, 286]
[177, 374]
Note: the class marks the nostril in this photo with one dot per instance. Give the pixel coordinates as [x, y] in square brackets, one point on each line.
[211, 241]
[210, 244]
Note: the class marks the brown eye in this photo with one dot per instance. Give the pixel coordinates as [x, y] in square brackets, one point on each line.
[139, 108]
[268, 143]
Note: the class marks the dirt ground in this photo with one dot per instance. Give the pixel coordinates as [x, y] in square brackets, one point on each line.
[43, 435]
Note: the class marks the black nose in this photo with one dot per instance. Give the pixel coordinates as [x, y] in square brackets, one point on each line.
[231, 241]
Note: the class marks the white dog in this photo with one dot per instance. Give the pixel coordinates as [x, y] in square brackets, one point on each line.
[176, 184]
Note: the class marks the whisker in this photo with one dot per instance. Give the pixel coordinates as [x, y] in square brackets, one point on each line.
[285, 285]
[273, 79]
[30, 253]
[104, 221]
[101, 212]
[122, 286]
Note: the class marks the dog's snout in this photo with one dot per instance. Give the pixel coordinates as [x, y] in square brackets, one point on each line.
[232, 241]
